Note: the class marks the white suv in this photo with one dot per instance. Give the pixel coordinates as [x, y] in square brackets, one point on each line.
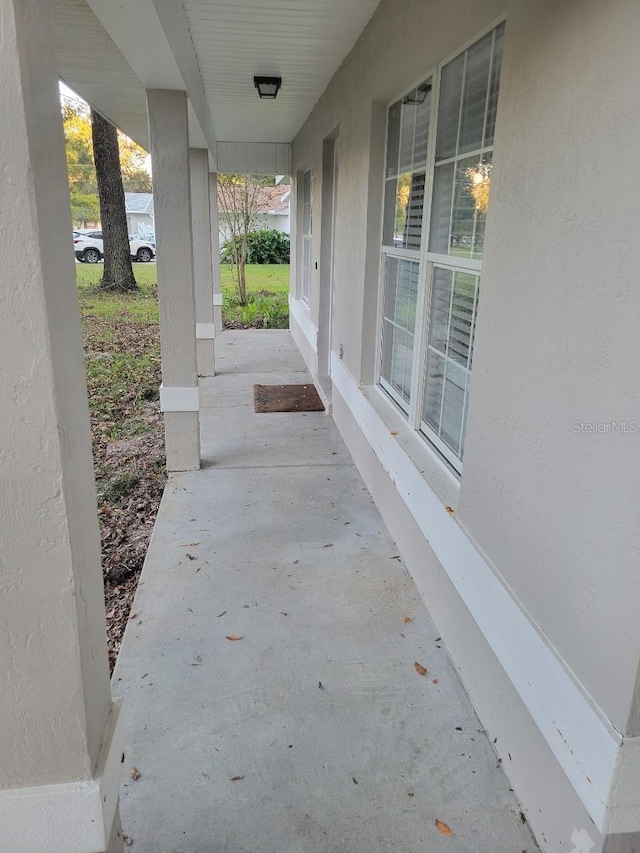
[89, 248]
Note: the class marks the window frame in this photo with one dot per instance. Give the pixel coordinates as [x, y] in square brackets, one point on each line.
[306, 237]
[428, 261]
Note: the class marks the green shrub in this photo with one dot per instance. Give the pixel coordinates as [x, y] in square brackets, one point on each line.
[263, 247]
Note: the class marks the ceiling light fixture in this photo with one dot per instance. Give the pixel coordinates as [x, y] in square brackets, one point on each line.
[268, 87]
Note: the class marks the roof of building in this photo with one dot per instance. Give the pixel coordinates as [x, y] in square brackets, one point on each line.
[138, 202]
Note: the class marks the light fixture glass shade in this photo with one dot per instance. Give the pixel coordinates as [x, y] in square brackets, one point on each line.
[268, 87]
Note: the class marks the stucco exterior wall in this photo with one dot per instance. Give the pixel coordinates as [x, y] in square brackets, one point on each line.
[545, 509]
[556, 509]
[400, 46]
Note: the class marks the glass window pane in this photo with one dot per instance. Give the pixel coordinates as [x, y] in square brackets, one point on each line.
[453, 406]
[414, 212]
[451, 326]
[480, 190]
[422, 117]
[393, 139]
[439, 308]
[407, 128]
[463, 216]
[493, 84]
[440, 233]
[449, 108]
[398, 323]
[389, 213]
[434, 391]
[474, 99]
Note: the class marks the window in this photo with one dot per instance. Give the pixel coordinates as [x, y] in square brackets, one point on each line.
[405, 181]
[306, 235]
[438, 166]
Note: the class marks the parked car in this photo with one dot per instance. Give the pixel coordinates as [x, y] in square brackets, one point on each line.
[90, 248]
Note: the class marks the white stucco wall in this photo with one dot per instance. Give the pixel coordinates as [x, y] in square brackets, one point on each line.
[556, 510]
[541, 548]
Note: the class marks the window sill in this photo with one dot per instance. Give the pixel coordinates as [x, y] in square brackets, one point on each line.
[432, 468]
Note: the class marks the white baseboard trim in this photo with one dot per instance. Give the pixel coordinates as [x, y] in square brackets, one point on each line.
[602, 766]
[300, 312]
[73, 817]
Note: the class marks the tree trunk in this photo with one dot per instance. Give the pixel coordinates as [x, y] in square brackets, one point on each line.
[118, 272]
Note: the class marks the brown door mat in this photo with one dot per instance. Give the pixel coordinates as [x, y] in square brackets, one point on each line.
[286, 398]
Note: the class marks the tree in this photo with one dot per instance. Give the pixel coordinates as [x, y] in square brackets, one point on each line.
[118, 272]
[84, 208]
[76, 119]
[240, 199]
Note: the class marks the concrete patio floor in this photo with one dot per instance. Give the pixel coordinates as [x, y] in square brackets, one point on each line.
[313, 732]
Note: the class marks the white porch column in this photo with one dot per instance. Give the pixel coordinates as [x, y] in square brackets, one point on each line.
[215, 250]
[60, 742]
[202, 261]
[179, 398]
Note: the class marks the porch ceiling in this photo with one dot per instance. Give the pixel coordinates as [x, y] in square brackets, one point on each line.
[302, 41]
[109, 52]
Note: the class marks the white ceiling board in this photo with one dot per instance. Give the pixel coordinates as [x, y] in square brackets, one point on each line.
[302, 41]
[90, 63]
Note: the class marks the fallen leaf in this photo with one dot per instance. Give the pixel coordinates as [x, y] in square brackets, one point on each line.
[189, 544]
[355, 781]
[394, 433]
[133, 615]
[407, 619]
[444, 828]
[234, 637]
[411, 794]
[328, 545]
[237, 778]
[449, 509]
[135, 774]
[434, 680]
[224, 613]
[111, 613]
[421, 670]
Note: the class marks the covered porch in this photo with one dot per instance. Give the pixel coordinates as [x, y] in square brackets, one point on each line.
[314, 731]
[477, 353]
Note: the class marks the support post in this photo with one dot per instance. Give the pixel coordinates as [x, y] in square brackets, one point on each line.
[215, 250]
[202, 261]
[179, 398]
[60, 738]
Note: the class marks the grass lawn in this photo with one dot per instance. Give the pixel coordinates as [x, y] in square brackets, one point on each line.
[267, 296]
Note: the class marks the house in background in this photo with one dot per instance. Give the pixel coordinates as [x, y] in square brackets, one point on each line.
[273, 214]
[139, 208]
[478, 351]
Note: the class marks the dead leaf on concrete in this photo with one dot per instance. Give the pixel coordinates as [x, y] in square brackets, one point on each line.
[237, 778]
[224, 613]
[421, 670]
[449, 509]
[328, 545]
[189, 544]
[444, 828]
[435, 680]
[135, 774]
[234, 637]
[411, 794]
[407, 619]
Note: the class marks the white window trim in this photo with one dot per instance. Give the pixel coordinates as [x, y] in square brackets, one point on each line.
[427, 260]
